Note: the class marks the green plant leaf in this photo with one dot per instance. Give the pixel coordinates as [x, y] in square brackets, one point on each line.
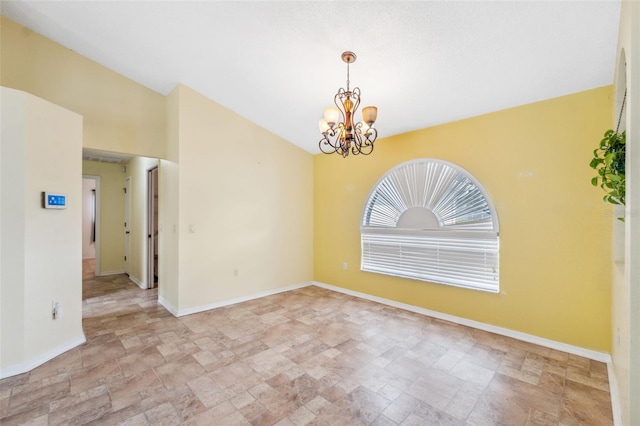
[608, 158]
[609, 163]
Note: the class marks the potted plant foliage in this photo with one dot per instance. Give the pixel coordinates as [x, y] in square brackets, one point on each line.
[609, 161]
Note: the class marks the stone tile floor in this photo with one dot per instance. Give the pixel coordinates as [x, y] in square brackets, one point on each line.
[304, 357]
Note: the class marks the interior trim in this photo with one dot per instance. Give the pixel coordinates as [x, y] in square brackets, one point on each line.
[28, 365]
[207, 307]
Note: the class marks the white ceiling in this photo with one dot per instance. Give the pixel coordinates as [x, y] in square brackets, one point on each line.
[278, 63]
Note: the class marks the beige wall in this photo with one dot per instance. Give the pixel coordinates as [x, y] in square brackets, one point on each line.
[41, 248]
[119, 114]
[168, 203]
[111, 243]
[168, 236]
[626, 289]
[12, 223]
[555, 231]
[245, 205]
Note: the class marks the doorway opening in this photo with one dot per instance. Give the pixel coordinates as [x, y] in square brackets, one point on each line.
[91, 222]
[152, 227]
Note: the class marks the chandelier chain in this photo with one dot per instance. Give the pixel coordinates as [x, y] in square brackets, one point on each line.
[347, 76]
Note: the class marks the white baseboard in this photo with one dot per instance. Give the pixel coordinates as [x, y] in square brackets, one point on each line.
[32, 363]
[107, 273]
[137, 281]
[616, 406]
[168, 306]
[560, 346]
[207, 307]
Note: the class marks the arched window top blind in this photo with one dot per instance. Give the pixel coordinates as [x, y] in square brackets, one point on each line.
[449, 192]
[431, 220]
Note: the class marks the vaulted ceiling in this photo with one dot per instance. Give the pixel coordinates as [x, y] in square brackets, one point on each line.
[278, 63]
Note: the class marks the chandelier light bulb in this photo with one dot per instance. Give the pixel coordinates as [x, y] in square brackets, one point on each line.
[369, 115]
[323, 126]
[331, 115]
[364, 128]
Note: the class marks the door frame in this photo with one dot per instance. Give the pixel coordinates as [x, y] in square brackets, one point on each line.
[96, 179]
[127, 223]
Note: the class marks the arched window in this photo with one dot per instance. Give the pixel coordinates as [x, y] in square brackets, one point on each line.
[431, 220]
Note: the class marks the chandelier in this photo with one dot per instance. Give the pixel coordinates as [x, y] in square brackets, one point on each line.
[340, 133]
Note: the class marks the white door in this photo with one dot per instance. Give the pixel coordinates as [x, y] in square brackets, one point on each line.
[127, 227]
[152, 227]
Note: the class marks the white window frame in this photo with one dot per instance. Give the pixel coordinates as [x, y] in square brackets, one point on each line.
[462, 254]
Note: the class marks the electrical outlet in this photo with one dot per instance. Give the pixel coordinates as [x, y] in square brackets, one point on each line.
[345, 266]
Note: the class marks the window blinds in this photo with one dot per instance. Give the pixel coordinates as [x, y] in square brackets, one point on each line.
[462, 249]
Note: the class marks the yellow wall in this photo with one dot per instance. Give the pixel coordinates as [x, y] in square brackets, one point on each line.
[245, 204]
[555, 231]
[119, 114]
[111, 244]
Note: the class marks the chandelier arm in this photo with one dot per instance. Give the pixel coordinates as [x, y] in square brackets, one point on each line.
[372, 135]
[358, 128]
[324, 142]
[356, 148]
[356, 97]
[366, 151]
[365, 148]
[338, 101]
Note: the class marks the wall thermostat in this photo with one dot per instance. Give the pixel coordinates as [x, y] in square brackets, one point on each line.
[52, 200]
